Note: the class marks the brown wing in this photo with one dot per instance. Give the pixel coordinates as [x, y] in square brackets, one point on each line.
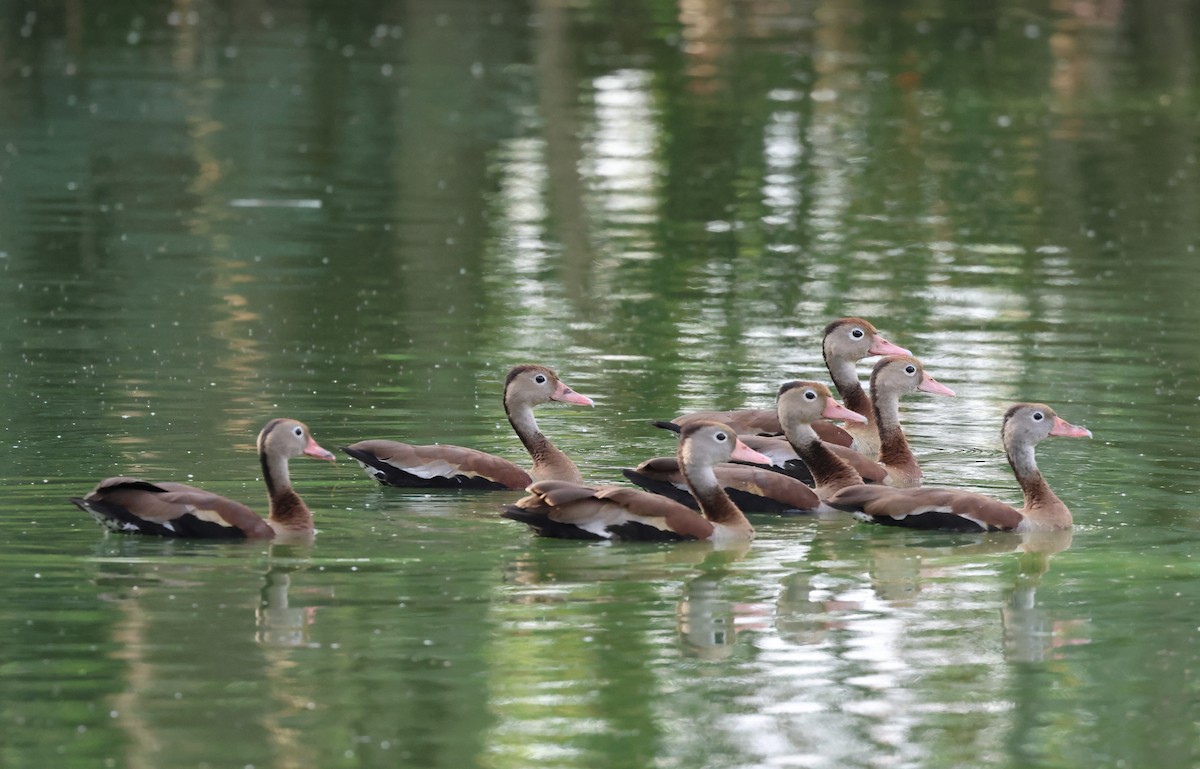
[767, 484]
[773, 446]
[781, 453]
[402, 464]
[869, 469]
[747, 421]
[763, 422]
[558, 493]
[831, 433]
[171, 509]
[661, 467]
[563, 509]
[661, 476]
[752, 488]
[786, 460]
[927, 508]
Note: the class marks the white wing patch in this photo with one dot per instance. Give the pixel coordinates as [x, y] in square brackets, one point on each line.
[436, 469]
[868, 518]
[212, 516]
[371, 472]
[112, 524]
[777, 457]
[599, 528]
[922, 511]
[653, 521]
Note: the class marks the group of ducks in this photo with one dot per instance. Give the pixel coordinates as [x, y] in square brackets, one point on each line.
[786, 459]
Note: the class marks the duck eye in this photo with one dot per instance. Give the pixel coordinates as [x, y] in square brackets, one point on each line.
[540, 379]
[810, 395]
[857, 333]
[910, 369]
[299, 431]
[1038, 416]
[721, 437]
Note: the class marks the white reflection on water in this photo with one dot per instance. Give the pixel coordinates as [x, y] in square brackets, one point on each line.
[845, 666]
[856, 660]
[531, 303]
[781, 152]
[623, 170]
[522, 194]
[278, 622]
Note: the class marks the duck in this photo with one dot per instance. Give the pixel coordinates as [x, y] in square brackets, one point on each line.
[774, 447]
[893, 376]
[1024, 426]
[526, 386]
[801, 403]
[753, 488]
[779, 488]
[785, 459]
[842, 345]
[168, 509]
[573, 511]
[844, 342]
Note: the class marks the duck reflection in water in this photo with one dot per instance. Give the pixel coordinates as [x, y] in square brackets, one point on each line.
[277, 623]
[812, 604]
[899, 569]
[709, 620]
[806, 613]
[178, 619]
[552, 566]
[1031, 634]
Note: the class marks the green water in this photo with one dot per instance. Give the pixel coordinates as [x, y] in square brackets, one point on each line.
[360, 215]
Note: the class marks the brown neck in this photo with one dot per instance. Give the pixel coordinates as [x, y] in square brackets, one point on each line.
[829, 471]
[894, 452]
[856, 399]
[845, 378]
[548, 462]
[714, 503]
[287, 509]
[1043, 508]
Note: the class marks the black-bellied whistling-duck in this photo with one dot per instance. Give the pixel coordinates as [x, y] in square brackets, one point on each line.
[571, 511]
[801, 403]
[445, 466]
[773, 447]
[135, 506]
[845, 342]
[1025, 425]
[842, 346]
[752, 488]
[785, 459]
[893, 376]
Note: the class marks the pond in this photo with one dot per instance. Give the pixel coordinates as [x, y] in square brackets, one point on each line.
[361, 215]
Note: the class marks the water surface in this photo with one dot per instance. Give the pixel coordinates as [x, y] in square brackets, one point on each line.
[362, 216]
